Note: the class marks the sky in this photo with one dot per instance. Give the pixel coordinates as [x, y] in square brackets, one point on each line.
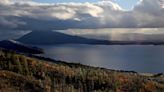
[80, 14]
[125, 4]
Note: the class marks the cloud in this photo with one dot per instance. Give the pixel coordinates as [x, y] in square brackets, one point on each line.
[26, 14]
[150, 13]
[4, 1]
[7, 24]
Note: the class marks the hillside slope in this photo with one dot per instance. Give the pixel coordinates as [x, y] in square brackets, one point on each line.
[19, 47]
[29, 74]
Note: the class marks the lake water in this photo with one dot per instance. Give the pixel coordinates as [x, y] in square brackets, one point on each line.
[138, 58]
[133, 58]
[148, 59]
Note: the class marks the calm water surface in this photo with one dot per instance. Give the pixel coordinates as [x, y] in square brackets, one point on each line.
[134, 57]
[137, 58]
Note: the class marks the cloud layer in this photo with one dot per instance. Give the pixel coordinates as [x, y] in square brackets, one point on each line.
[29, 15]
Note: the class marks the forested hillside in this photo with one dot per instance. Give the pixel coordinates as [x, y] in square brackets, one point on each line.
[20, 73]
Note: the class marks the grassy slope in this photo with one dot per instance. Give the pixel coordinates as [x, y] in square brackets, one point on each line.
[27, 74]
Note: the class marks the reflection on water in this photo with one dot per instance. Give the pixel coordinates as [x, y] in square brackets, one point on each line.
[138, 58]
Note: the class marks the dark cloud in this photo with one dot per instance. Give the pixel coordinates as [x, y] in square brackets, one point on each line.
[30, 15]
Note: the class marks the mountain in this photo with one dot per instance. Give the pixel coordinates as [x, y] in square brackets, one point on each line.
[19, 47]
[51, 38]
[20, 73]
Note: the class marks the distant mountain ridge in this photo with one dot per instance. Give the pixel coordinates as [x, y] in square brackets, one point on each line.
[53, 38]
[19, 47]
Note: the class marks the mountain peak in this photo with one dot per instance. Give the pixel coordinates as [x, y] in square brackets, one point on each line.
[52, 38]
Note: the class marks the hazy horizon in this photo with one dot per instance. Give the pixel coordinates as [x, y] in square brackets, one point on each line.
[126, 34]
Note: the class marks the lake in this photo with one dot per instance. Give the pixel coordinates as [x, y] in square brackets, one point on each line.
[134, 57]
[139, 58]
